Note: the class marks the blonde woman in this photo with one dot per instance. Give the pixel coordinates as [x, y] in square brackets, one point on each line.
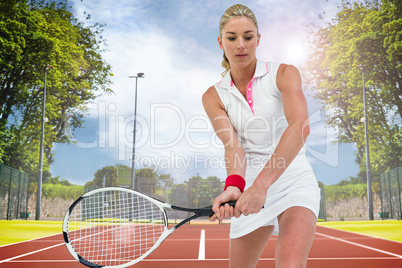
[259, 112]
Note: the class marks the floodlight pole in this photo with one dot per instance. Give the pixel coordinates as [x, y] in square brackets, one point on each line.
[134, 182]
[39, 189]
[369, 189]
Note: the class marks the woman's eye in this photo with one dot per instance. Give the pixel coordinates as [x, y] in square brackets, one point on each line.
[248, 38]
[231, 38]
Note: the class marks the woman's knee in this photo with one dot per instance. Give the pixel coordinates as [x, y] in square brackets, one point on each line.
[245, 251]
[296, 235]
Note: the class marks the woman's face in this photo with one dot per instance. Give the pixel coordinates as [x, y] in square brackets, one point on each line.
[239, 40]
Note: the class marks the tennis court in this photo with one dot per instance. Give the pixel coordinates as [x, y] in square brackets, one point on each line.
[206, 245]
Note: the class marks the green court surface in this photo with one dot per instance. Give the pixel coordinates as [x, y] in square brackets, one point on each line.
[388, 229]
[21, 230]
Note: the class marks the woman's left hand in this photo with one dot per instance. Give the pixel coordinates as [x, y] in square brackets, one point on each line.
[251, 201]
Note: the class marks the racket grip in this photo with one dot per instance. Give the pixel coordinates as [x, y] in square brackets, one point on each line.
[231, 203]
[207, 211]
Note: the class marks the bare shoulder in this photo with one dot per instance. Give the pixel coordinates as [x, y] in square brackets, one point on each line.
[288, 78]
[210, 98]
[288, 70]
[209, 94]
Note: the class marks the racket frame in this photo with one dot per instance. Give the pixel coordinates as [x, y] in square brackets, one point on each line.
[198, 212]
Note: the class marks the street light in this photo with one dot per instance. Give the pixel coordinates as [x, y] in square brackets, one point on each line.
[134, 182]
[369, 190]
[39, 190]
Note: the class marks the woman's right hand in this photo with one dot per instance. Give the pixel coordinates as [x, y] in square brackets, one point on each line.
[232, 193]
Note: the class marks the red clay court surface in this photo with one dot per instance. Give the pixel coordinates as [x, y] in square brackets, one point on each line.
[331, 248]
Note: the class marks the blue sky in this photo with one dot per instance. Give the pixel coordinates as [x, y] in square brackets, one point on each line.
[175, 44]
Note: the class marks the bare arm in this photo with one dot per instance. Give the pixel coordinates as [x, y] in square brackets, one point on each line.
[292, 140]
[234, 152]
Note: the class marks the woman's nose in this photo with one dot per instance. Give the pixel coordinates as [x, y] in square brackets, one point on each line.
[240, 44]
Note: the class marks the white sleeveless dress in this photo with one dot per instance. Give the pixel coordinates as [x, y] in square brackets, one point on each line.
[259, 123]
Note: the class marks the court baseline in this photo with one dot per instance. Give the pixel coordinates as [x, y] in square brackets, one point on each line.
[207, 246]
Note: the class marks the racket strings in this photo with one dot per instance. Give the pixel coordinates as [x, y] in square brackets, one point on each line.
[114, 227]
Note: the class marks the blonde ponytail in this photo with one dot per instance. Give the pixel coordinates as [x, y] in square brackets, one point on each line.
[225, 64]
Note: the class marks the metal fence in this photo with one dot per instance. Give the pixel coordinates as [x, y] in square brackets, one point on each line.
[193, 193]
[391, 191]
[322, 215]
[13, 193]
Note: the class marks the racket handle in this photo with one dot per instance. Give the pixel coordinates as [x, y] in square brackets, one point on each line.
[207, 211]
[231, 203]
[211, 213]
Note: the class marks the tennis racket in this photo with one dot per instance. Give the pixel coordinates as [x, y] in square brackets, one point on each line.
[117, 227]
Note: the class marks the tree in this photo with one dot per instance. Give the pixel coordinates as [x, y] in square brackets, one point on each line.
[146, 180]
[179, 195]
[124, 175]
[213, 187]
[106, 174]
[34, 34]
[164, 182]
[351, 180]
[195, 186]
[57, 180]
[362, 34]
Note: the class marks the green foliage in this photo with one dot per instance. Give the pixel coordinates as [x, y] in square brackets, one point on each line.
[351, 180]
[50, 190]
[123, 170]
[57, 180]
[34, 34]
[179, 195]
[353, 187]
[195, 192]
[199, 192]
[365, 34]
[107, 175]
[335, 193]
[214, 187]
[165, 183]
[56, 187]
[146, 173]
[146, 180]
[6, 138]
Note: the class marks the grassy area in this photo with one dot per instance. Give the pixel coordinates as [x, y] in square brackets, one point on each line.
[21, 230]
[391, 229]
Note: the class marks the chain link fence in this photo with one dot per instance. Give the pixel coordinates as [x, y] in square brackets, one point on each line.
[192, 193]
[322, 215]
[13, 194]
[391, 191]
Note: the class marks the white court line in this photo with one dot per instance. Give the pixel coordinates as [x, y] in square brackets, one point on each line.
[184, 260]
[50, 247]
[360, 245]
[29, 253]
[39, 250]
[364, 235]
[33, 240]
[201, 251]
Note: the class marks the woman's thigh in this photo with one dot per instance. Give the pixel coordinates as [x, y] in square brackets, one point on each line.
[296, 234]
[245, 251]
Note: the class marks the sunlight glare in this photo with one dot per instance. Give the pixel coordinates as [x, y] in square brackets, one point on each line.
[296, 53]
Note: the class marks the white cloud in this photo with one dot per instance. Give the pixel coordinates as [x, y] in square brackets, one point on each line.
[175, 44]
